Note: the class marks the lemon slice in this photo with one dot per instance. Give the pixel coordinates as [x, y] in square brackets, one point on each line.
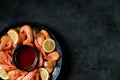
[48, 45]
[44, 74]
[3, 73]
[13, 35]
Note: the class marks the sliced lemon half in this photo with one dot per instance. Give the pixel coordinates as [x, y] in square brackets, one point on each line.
[13, 35]
[3, 73]
[44, 74]
[48, 45]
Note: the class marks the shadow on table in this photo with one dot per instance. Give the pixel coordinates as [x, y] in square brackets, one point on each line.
[66, 58]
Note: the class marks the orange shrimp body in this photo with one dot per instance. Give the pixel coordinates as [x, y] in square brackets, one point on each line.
[22, 37]
[30, 75]
[38, 41]
[28, 31]
[4, 58]
[40, 63]
[45, 33]
[14, 74]
[53, 56]
[6, 43]
[23, 74]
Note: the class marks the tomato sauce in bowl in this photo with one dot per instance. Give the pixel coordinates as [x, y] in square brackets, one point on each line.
[25, 57]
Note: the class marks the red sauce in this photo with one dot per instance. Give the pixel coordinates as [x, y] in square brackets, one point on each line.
[25, 57]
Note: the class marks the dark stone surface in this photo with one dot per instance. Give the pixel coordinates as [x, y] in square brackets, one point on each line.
[88, 31]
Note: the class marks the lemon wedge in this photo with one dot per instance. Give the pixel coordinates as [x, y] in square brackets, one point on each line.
[3, 73]
[48, 45]
[13, 35]
[44, 74]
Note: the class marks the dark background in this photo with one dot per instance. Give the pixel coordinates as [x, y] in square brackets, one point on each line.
[87, 30]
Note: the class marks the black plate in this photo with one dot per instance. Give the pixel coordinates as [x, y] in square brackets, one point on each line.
[38, 27]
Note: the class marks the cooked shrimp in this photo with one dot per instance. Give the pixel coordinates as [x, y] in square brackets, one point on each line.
[22, 75]
[32, 78]
[49, 65]
[30, 75]
[9, 61]
[4, 58]
[9, 57]
[6, 43]
[22, 40]
[6, 67]
[40, 63]
[22, 37]
[38, 41]
[44, 54]
[14, 74]
[28, 31]
[10, 51]
[45, 33]
[53, 56]
[37, 76]
[29, 44]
